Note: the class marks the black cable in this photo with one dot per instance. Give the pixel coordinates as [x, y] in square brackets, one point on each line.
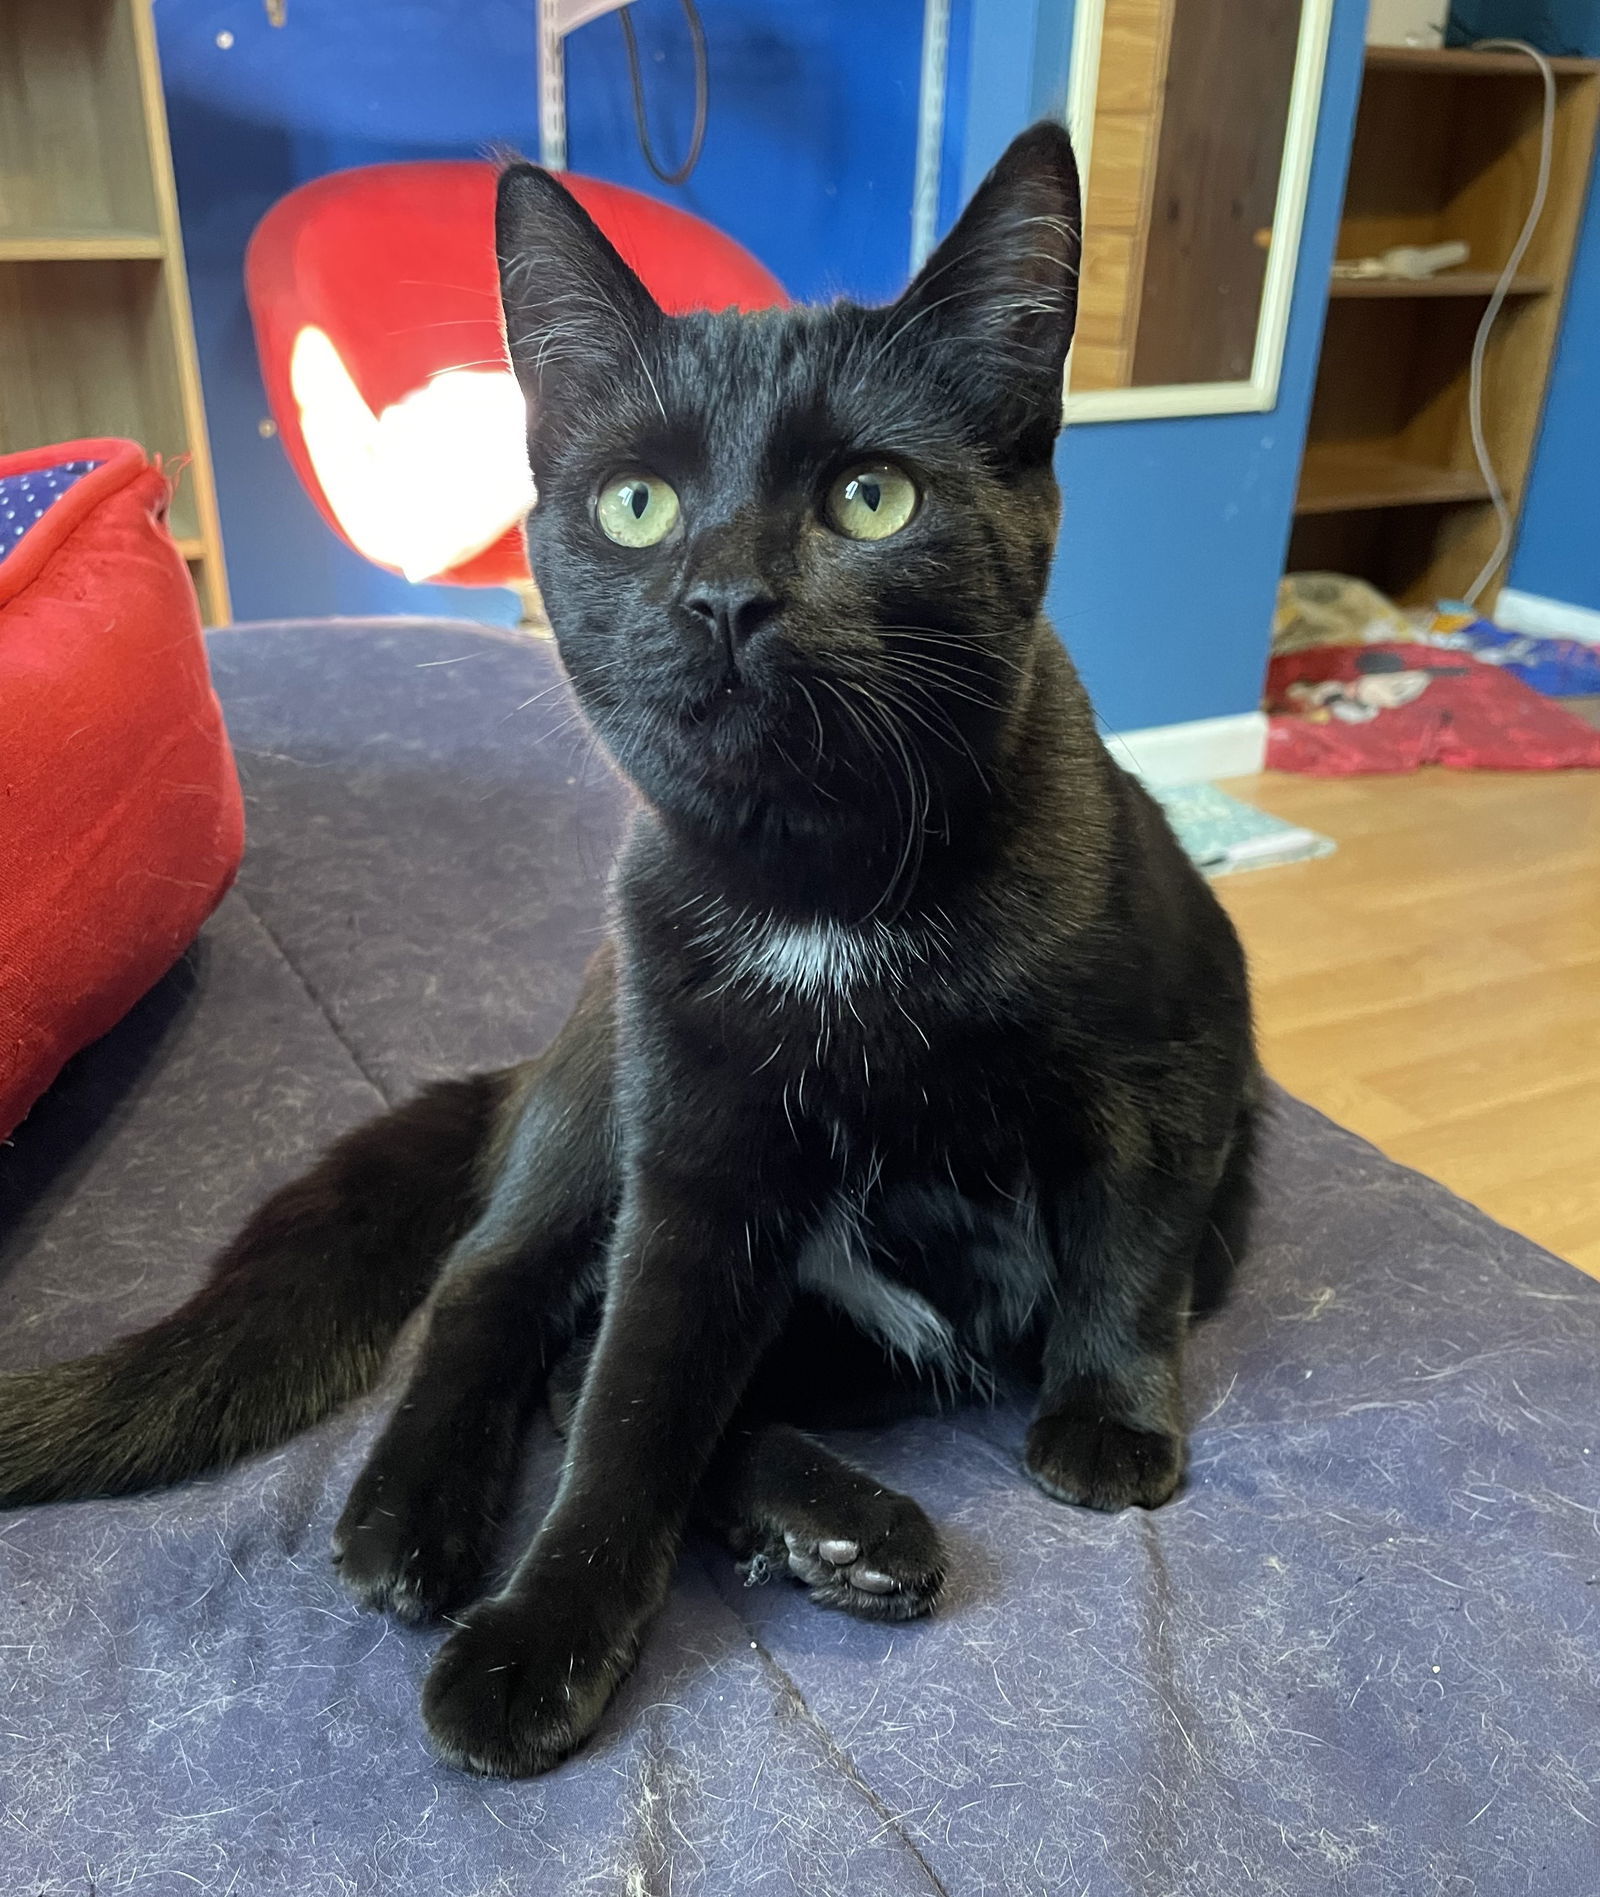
[691, 15]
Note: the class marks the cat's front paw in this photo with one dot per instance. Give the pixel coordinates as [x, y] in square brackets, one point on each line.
[411, 1550]
[520, 1686]
[1096, 1461]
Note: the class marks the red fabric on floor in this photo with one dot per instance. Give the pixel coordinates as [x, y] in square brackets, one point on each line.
[120, 819]
[1472, 716]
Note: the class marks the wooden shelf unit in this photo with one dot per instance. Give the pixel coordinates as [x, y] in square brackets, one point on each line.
[96, 333]
[1448, 283]
[1336, 478]
[1446, 146]
[1462, 62]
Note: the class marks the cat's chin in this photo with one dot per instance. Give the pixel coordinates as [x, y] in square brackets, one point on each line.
[728, 734]
[678, 756]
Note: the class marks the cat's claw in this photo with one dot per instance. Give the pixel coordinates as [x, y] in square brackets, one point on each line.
[835, 1561]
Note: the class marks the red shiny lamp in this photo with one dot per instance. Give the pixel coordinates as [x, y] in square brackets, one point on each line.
[377, 318]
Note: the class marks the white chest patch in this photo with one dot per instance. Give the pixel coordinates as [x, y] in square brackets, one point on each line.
[822, 959]
[1007, 1279]
[815, 958]
[835, 1266]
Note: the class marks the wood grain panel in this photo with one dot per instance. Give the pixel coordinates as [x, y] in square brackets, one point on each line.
[1133, 57]
[1435, 984]
[1099, 365]
[1120, 172]
[1220, 156]
[1128, 107]
[96, 334]
[85, 350]
[195, 514]
[72, 155]
[1108, 266]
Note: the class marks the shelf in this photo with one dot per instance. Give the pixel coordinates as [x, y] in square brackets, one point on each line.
[87, 349]
[96, 332]
[1450, 283]
[1446, 147]
[83, 247]
[1449, 61]
[1338, 478]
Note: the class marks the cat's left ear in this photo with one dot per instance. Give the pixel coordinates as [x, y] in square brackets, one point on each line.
[1001, 292]
[574, 310]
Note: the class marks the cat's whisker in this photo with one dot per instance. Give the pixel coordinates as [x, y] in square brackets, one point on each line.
[937, 678]
[955, 739]
[909, 865]
[816, 717]
[875, 753]
[931, 683]
[981, 642]
[488, 294]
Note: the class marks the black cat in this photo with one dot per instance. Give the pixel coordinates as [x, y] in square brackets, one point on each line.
[917, 1052]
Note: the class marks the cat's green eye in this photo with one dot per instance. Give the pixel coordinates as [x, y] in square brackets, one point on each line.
[872, 501]
[636, 510]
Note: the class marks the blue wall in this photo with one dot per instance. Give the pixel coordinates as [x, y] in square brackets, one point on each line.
[811, 139]
[809, 161]
[1558, 547]
[1175, 531]
[347, 82]
[1554, 26]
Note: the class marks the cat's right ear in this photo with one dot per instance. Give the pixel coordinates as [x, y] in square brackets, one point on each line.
[572, 307]
[999, 296]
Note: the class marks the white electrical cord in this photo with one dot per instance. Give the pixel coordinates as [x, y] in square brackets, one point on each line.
[1502, 290]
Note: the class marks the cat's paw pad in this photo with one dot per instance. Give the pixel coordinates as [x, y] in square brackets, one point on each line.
[414, 1557]
[880, 1559]
[509, 1696]
[1098, 1462]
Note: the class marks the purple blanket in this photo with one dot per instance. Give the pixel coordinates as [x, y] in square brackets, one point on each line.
[1358, 1655]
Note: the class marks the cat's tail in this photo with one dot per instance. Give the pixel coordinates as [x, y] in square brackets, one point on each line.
[295, 1318]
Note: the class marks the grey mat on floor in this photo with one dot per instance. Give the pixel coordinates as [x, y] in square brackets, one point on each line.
[1358, 1655]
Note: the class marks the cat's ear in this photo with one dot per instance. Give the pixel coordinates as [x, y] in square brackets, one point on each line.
[571, 304]
[1001, 292]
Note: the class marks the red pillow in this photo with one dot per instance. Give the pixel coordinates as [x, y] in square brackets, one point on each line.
[120, 820]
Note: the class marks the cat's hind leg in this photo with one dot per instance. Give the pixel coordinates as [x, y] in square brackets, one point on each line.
[785, 1504]
[417, 1533]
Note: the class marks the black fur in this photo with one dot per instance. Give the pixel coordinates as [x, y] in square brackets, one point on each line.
[919, 1052]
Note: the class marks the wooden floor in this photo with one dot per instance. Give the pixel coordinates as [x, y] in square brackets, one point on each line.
[1435, 984]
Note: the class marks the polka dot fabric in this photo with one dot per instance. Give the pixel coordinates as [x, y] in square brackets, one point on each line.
[25, 499]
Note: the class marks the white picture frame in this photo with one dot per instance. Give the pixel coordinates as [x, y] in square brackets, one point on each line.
[1260, 391]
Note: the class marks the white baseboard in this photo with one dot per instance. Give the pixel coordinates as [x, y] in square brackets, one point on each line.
[1194, 752]
[1546, 618]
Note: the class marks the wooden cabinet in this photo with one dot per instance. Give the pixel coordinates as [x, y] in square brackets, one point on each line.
[96, 336]
[1446, 146]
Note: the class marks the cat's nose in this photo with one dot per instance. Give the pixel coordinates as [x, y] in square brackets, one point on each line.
[734, 611]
